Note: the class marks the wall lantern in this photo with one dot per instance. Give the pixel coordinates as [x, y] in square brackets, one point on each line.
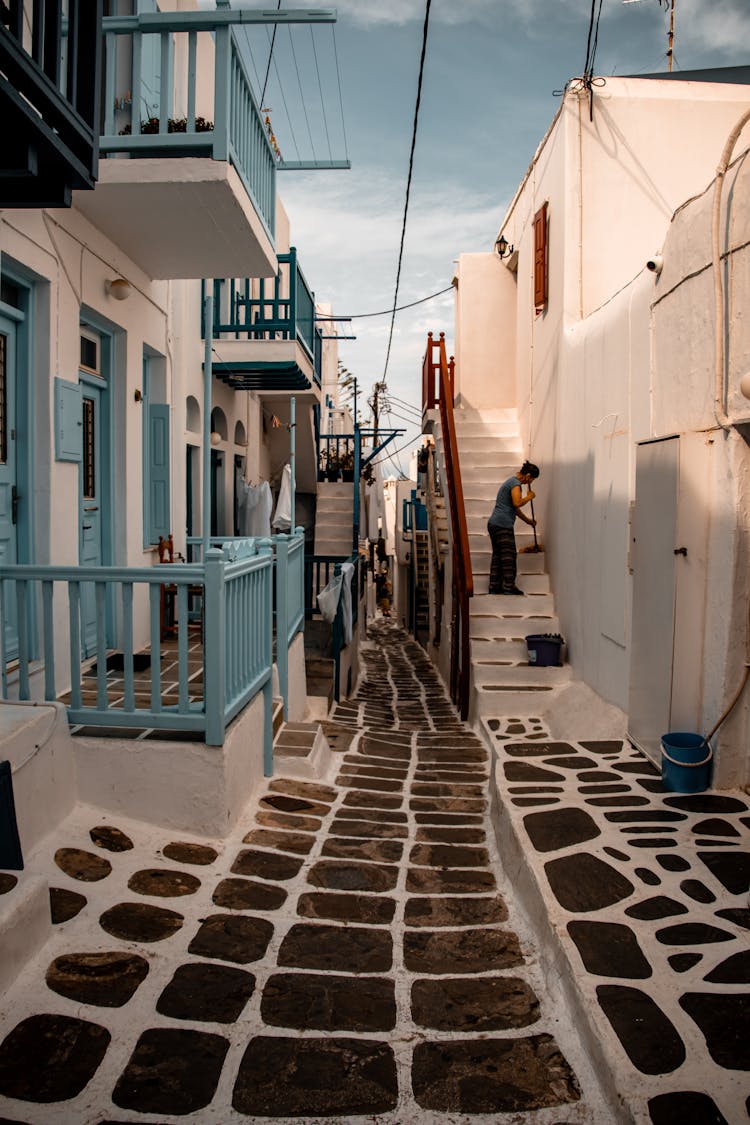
[118, 288]
[215, 438]
[502, 247]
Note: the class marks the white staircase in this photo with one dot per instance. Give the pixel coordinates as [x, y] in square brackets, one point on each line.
[503, 681]
[334, 519]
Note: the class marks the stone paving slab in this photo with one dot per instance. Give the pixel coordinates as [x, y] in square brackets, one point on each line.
[646, 897]
[347, 954]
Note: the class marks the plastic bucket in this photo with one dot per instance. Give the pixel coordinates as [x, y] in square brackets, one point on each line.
[544, 651]
[685, 762]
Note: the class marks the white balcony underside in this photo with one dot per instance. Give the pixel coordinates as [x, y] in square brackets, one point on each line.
[183, 217]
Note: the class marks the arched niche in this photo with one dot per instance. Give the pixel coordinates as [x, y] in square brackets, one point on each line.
[219, 423]
[240, 437]
[193, 415]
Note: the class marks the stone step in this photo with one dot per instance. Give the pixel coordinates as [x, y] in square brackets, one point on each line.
[526, 564]
[513, 624]
[483, 474]
[497, 676]
[494, 454]
[507, 650]
[335, 520]
[337, 546]
[530, 583]
[471, 431]
[335, 504]
[486, 417]
[302, 750]
[498, 701]
[513, 605]
[480, 540]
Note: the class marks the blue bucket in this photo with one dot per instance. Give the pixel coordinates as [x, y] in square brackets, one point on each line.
[685, 762]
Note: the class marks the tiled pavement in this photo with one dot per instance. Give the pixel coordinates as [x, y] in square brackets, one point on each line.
[645, 893]
[350, 953]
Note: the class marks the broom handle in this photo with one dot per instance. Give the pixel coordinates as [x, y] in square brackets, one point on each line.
[534, 527]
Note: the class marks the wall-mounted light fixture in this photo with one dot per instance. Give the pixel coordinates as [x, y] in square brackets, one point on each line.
[502, 247]
[215, 438]
[118, 288]
[138, 395]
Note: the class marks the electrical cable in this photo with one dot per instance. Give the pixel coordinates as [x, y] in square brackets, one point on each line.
[387, 312]
[320, 88]
[270, 56]
[341, 100]
[408, 181]
[302, 96]
[286, 110]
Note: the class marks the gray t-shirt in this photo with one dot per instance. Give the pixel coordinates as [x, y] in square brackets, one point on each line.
[504, 513]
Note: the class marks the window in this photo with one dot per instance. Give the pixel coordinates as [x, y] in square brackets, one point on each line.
[541, 270]
[90, 351]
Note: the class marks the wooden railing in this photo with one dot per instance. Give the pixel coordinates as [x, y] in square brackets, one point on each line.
[146, 113]
[237, 641]
[437, 389]
[50, 60]
[288, 590]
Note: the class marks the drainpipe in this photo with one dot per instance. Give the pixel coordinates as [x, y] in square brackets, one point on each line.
[720, 387]
[208, 320]
[292, 461]
[720, 380]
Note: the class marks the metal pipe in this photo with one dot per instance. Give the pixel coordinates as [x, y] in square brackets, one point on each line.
[292, 461]
[208, 332]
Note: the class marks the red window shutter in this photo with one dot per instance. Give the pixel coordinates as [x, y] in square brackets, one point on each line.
[540, 258]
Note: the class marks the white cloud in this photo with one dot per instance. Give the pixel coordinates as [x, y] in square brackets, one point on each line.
[724, 25]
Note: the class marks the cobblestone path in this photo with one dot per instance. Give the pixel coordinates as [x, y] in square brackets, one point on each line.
[349, 953]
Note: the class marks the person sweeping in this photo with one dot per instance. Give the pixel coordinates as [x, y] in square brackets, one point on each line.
[507, 509]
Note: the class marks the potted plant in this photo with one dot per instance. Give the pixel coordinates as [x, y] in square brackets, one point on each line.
[347, 464]
[332, 465]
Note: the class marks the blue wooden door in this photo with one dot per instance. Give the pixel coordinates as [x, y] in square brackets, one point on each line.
[91, 515]
[8, 491]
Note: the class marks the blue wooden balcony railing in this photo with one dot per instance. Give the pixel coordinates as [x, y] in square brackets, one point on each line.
[288, 590]
[153, 106]
[50, 58]
[281, 308]
[237, 641]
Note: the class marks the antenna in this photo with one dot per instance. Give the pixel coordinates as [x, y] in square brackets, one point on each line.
[670, 34]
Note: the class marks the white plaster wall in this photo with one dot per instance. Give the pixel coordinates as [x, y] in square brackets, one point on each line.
[600, 370]
[485, 339]
[297, 679]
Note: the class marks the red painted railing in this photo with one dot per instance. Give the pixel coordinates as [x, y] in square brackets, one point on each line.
[437, 390]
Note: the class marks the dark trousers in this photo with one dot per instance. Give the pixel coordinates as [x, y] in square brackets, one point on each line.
[503, 564]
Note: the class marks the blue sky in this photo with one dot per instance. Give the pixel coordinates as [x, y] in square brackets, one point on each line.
[491, 72]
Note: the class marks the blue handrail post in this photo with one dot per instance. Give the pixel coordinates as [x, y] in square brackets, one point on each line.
[292, 459]
[214, 646]
[357, 464]
[265, 625]
[282, 618]
[337, 642]
[222, 95]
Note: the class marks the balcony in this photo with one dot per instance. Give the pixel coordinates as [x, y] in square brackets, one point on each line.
[188, 188]
[269, 341]
[49, 100]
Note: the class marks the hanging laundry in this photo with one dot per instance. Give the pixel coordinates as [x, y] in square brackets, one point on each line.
[282, 519]
[254, 507]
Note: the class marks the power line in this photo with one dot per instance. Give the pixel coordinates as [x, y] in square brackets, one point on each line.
[387, 312]
[270, 56]
[408, 181]
[302, 96]
[341, 100]
[320, 87]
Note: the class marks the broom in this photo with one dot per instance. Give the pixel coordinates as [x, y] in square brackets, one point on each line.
[537, 547]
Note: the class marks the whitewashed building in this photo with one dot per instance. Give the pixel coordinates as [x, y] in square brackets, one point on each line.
[608, 344]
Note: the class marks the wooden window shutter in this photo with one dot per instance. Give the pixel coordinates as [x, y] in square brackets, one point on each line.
[157, 482]
[540, 259]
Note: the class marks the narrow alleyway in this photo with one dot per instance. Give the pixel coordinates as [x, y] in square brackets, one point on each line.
[351, 951]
